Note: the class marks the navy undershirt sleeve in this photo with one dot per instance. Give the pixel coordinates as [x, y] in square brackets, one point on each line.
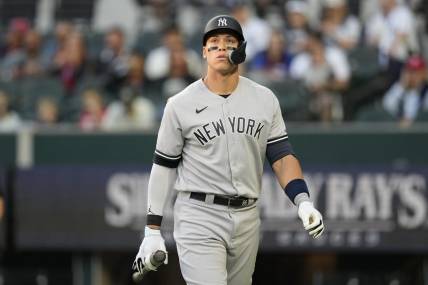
[163, 159]
[278, 149]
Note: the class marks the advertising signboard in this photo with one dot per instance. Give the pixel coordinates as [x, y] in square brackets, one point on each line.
[373, 208]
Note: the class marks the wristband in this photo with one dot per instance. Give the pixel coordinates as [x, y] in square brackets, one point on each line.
[154, 220]
[296, 187]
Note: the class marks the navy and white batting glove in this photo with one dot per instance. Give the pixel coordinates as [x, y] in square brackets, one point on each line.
[311, 218]
[152, 242]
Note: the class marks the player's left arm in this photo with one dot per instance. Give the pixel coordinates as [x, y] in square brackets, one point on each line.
[286, 166]
[289, 174]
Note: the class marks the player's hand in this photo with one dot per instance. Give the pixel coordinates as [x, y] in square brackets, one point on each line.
[152, 242]
[311, 219]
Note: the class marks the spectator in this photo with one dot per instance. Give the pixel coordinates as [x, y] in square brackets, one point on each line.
[69, 65]
[422, 9]
[14, 56]
[9, 120]
[263, 8]
[338, 26]
[113, 65]
[93, 111]
[273, 63]
[132, 111]
[135, 77]
[33, 63]
[158, 61]
[296, 32]
[47, 112]
[179, 76]
[392, 30]
[56, 47]
[156, 15]
[314, 12]
[325, 71]
[409, 94]
[256, 30]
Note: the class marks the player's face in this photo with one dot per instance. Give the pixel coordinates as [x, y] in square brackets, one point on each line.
[217, 49]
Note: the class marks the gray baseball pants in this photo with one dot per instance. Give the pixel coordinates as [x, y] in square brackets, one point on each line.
[216, 244]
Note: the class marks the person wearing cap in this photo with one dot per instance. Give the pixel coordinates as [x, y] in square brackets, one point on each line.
[211, 146]
[326, 72]
[408, 95]
[131, 111]
[339, 27]
[296, 31]
[12, 60]
[255, 30]
[158, 62]
[273, 63]
[392, 30]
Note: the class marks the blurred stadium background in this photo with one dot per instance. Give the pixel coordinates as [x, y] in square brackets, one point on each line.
[82, 88]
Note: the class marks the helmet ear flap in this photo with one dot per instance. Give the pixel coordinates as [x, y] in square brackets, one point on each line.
[238, 55]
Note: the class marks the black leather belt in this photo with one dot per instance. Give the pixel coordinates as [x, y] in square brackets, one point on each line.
[231, 201]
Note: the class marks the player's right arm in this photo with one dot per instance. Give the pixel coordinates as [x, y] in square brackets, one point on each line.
[166, 158]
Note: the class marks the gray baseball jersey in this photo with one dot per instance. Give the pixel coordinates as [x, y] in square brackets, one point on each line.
[219, 144]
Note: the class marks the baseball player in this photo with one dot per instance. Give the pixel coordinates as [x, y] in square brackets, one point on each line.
[211, 147]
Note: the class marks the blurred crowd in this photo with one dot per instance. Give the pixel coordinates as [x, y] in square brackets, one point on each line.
[326, 60]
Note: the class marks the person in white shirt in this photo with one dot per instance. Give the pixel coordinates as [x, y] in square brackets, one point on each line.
[408, 96]
[9, 120]
[158, 64]
[132, 111]
[326, 72]
[256, 31]
[296, 31]
[338, 26]
[113, 61]
[392, 30]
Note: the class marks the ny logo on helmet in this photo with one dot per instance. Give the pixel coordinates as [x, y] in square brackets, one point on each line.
[222, 22]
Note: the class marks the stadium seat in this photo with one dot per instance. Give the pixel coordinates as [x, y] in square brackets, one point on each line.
[11, 88]
[422, 116]
[31, 89]
[94, 42]
[374, 113]
[147, 41]
[88, 81]
[364, 63]
[293, 98]
[194, 42]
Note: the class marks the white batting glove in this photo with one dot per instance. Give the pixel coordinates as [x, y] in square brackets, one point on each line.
[311, 218]
[152, 242]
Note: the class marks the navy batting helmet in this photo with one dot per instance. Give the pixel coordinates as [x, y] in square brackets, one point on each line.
[229, 25]
[223, 23]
